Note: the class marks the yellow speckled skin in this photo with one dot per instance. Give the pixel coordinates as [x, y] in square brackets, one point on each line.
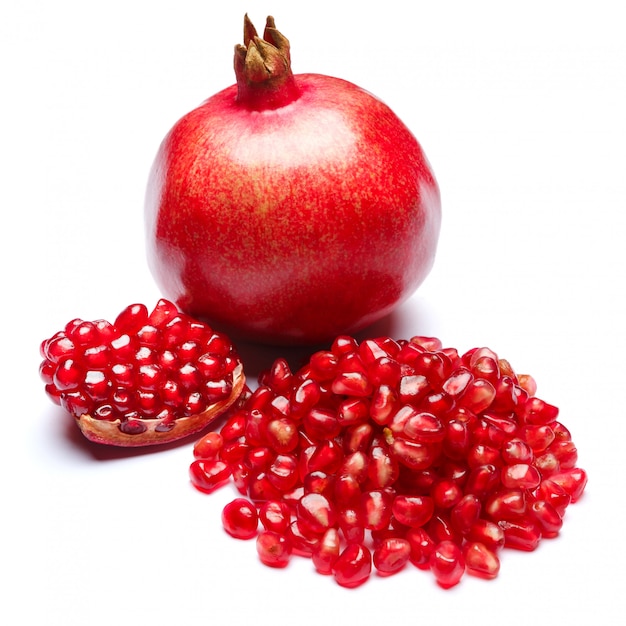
[294, 224]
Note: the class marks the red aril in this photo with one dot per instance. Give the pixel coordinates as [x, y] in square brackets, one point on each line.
[240, 519]
[353, 566]
[273, 548]
[447, 564]
[261, 198]
[445, 489]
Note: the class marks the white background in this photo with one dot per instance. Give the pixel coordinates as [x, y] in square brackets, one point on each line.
[520, 109]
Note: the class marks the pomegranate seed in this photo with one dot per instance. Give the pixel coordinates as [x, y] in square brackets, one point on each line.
[413, 511]
[488, 533]
[547, 517]
[421, 545]
[275, 515]
[326, 552]
[446, 493]
[573, 482]
[207, 476]
[351, 525]
[481, 561]
[282, 473]
[353, 566]
[315, 513]
[465, 513]
[520, 476]
[521, 534]
[273, 548]
[447, 563]
[240, 519]
[391, 555]
[302, 539]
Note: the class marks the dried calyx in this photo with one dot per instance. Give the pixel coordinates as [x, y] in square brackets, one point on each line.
[263, 68]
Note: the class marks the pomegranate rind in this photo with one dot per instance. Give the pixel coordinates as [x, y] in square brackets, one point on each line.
[108, 431]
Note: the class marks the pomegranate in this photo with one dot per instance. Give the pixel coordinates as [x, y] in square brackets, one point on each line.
[148, 378]
[380, 454]
[288, 208]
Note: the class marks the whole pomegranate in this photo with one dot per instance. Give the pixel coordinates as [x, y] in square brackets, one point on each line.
[290, 208]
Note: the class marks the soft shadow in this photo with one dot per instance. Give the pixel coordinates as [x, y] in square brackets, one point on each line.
[403, 323]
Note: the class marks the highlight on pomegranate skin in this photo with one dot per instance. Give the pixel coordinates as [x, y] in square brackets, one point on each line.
[382, 455]
[148, 378]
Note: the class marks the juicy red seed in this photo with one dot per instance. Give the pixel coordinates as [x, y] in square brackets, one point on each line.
[376, 510]
[488, 533]
[316, 513]
[68, 375]
[58, 347]
[273, 548]
[275, 515]
[131, 319]
[413, 511]
[217, 390]
[447, 563]
[207, 476]
[421, 545]
[538, 412]
[261, 488]
[413, 387]
[324, 365]
[465, 513]
[352, 383]
[351, 525]
[302, 540]
[478, 395]
[391, 555]
[506, 505]
[424, 427]
[520, 476]
[346, 490]
[446, 493]
[209, 447]
[240, 519]
[547, 517]
[304, 397]
[352, 411]
[481, 561]
[383, 404]
[327, 551]
[538, 437]
[353, 566]
[573, 482]
[521, 534]
[517, 451]
[382, 468]
[321, 424]
[554, 494]
[414, 455]
[283, 472]
[457, 383]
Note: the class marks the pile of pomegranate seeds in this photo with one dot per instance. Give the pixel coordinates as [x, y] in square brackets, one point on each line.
[147, 378]
[383, 453]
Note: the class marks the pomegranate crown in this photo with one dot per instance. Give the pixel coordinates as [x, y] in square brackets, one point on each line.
[263, 68]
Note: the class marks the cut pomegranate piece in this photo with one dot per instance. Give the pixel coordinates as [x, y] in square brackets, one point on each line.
[148, 378]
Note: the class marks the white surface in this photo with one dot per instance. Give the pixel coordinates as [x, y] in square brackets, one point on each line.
[520, 108]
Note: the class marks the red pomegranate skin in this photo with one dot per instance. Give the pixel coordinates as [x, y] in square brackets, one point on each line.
[294, 222]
